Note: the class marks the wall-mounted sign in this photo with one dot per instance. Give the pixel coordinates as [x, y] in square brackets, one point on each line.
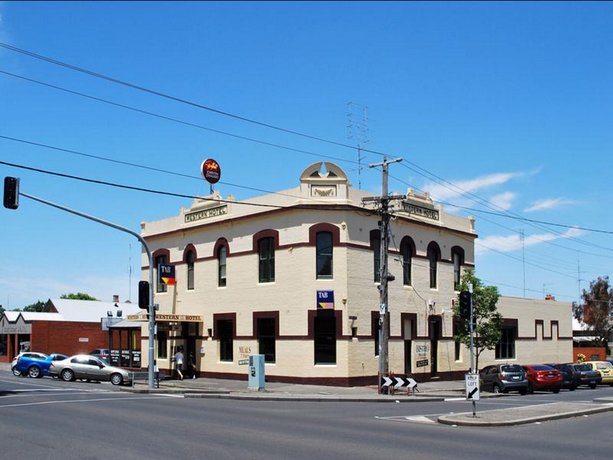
[206, 213]
[325, 300]
[421, 211]
[166, 274]
[211, 171]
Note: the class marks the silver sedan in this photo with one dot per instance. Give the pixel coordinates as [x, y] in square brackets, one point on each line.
[88, 367]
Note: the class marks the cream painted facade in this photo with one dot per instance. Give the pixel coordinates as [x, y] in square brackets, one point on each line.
[229, 318]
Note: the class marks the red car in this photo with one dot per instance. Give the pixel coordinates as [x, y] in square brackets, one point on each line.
[543, 377]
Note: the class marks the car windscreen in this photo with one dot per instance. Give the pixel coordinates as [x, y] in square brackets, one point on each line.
[542, 368]
[583, 367]
[511, 368]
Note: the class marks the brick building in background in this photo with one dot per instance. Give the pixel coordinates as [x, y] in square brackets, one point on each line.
[71, 327]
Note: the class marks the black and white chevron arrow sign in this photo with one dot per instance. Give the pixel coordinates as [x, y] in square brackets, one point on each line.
[398, 382]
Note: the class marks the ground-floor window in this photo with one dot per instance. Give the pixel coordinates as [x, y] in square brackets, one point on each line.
[267, 339]
[226, 342]
[505, 349]
[325, 339]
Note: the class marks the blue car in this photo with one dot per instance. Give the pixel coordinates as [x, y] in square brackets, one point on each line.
[35, 365]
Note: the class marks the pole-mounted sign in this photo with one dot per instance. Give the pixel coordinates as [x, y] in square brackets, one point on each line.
[211, 171]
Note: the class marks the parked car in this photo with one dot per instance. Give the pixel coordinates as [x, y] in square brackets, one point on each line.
[88, 367]
[570, 377]
[587, 375]
[502, 378]
[101, 353]
[36, 366]
[27, 355]
[543, 377]
[605, 368]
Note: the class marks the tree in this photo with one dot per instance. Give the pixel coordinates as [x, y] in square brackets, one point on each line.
[38, 306]
[487, 320]
[596, 311]
[77, 296]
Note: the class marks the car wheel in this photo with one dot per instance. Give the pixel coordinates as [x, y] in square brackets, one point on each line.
[557, 390]
[497, 389]
[34, 372]
[116, 379]
[593, 386]
[530, 389]
[573, 388]
[16, 372]
[67, 375]
[523, 392]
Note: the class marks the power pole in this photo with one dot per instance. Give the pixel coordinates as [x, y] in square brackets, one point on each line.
[384, 276]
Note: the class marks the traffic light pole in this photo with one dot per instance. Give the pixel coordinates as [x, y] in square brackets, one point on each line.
[150, 374]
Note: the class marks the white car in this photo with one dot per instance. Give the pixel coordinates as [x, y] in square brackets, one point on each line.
[87, 367]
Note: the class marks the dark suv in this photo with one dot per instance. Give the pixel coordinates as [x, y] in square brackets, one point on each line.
[502, 378]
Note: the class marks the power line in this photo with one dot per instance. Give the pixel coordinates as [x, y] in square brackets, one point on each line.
[168, 96]
[130, 187]
[176, 120]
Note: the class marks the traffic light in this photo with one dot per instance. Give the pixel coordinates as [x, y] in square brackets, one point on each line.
[465, 301]
[11, 192]
[143, 294]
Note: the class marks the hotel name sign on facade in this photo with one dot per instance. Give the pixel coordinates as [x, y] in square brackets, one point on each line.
[205, 214]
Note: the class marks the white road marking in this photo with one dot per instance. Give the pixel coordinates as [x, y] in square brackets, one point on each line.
[72, 401]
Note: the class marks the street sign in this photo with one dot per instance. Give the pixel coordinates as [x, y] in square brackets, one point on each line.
[243, 362]
[398, 382]
[421, 363]
[472, 387]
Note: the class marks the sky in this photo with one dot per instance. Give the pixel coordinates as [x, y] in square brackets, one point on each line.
[501, 110]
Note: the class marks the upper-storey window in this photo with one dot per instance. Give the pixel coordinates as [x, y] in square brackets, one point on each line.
[160, 260]
[375, 245]
[189, 261]
[457, 256]
[222, 253]
[324, 255]
[266, 254]
[434, 255]
[407, 251]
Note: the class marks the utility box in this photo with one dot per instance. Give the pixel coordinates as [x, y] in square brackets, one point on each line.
[256, 372]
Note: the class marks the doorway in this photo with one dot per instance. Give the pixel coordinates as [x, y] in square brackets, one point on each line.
[434, 323]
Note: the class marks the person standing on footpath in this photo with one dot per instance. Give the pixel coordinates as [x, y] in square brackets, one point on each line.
[191, 365]
[179, 362]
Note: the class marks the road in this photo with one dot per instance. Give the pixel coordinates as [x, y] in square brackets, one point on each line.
[51, 419]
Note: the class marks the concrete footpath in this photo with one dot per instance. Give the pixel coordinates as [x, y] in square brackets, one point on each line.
[428, 391]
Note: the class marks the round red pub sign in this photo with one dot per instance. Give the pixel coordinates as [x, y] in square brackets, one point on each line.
[211, 171]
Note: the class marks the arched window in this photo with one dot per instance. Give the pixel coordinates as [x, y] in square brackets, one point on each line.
[160, 257]
[375, 245]
[457, 256]
[434, 255]
[222, 253]
[324, 255]
[189, 261]
[407, 251]
[266, 254]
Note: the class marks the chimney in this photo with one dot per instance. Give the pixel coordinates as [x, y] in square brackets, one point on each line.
[115, 298]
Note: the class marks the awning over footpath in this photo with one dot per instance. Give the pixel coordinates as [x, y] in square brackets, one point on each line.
[167, 318]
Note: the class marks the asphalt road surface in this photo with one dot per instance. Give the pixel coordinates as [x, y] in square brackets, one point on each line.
[51, 419]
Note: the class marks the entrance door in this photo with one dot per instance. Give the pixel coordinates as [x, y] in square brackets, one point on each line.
[408, 357]
[434, 323]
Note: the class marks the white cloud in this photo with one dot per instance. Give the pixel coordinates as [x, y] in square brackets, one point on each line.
[445, 191]
[504, 201]
[510, 243]
[549, 203]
